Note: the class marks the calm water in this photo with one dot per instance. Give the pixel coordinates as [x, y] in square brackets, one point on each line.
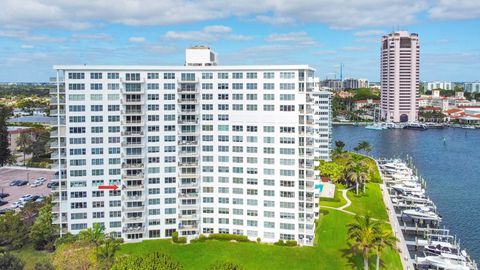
[451, 169]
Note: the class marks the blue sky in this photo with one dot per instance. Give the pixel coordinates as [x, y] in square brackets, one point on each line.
[36, 34]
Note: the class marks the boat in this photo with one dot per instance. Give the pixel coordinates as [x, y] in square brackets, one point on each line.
[408, 187]
[416, 126]
[422, 213]
[468, 127]
[434, 125]
[415, 199]
[397, 168]
[437, 248]
[376, 126]
[448, 261]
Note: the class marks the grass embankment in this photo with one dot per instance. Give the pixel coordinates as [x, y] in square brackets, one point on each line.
[30, 256]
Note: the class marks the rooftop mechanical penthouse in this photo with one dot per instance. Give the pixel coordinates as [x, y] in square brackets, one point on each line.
[198, 149]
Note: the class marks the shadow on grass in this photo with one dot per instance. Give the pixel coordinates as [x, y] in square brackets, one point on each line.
[354, 261]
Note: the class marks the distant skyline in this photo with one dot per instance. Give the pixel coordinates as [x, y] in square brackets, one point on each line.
[36, 34]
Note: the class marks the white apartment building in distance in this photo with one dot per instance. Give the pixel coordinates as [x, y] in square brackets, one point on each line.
[439, 85]
[472, 87]
[399, 76]
[198, 149]
[351, 83]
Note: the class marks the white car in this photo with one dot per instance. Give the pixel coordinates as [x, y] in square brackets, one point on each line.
[17, 204]
[24, 198]
[36, 184]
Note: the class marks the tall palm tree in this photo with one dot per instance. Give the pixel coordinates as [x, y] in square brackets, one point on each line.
[385, 239]
[353, 178]
[364, 233]
[363, 177]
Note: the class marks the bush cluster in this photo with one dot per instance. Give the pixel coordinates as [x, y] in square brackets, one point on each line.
[179, 240]
[288, 243]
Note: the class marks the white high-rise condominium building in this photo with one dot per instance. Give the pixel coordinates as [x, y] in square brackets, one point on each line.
[197, 149]
[323, 115]
[438, 85]
[400, 53]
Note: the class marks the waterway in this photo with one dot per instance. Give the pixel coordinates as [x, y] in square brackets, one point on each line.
[448, 159]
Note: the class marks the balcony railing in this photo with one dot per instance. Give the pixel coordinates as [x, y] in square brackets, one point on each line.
[187, 142]
[187, 100]
[133, 176]
[132, 133]
[132, 165]
[187, 121]
[133, 229]
[188, 195]
[188, 164]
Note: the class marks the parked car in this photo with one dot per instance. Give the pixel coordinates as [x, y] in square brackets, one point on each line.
[3, 195]
[2, 202]
[42, 179]
[17, 204]
[52, 184]
[15, 183]
[34, 198]
[40, 199]
[36, 184]
[22, 183]
[25, 198]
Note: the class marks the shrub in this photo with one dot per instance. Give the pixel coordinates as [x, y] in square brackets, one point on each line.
[150, 261]
[280, 243]
[291, 243]
[228, 237]
[175, 237]
[225, 266]
[259, 239]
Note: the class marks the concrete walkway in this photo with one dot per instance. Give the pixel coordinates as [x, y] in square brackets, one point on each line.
[344, 195]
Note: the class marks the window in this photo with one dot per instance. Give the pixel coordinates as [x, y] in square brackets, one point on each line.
[269, 75]
[76, 75]
[251, 75]
[152, 76]
[113, 76]
[168, 76]
[132, 76]
[237, 75]
[95, 75]
[207, 75]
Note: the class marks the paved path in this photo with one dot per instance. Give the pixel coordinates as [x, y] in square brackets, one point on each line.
[344, 194]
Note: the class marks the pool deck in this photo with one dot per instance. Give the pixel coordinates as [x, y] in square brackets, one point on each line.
[328, 190]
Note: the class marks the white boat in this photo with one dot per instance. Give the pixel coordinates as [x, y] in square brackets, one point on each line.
[414, 198]
[376, 126]
[437, 248]
[397, 168]
[408, 187]
[468, 127]
[422, 213]
[449, 262]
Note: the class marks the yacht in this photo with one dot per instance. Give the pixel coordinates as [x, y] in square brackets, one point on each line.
[408, 187]
[397, 168]
[414, 198]
[376, 126]
[437, 248]
[449, 262]
[422, 213]
[416, 126]
[468, 127]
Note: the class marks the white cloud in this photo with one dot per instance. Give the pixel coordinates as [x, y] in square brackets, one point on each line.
[339, 14]
[301, 38]
[26, 46]
[367, 33]
[100, 36]
[274, 20]
[217, 29]
[136, 39]
[207, 34]
[458, 9]
[27, 36]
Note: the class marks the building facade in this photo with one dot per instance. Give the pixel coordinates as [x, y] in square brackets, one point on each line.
[351, 83]
[197, 149]
[472, 87]
[400, 62]
[323, 118]
[438, 85]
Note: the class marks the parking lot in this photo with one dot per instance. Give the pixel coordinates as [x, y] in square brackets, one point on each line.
[9, 174]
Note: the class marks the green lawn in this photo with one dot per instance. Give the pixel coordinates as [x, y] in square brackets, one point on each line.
[30, 256]
[331, 250]
[370, 203]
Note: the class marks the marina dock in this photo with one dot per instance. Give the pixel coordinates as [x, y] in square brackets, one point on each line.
[422, 244]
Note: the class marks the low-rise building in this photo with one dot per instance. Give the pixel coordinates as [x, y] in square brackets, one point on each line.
[444, 85]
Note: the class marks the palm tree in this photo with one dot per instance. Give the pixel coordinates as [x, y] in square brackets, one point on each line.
[24, 144]
[95, 235]
[365, 233]
[384, 240]
[353, 177]
[106, 252]
[363, 177]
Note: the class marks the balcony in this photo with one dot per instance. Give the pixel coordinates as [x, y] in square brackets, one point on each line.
[133, 144]
[188, 185]
[133, 123]
[132, 133]
[187, 90]
[187, 121]
[187, 100]
[57, 112]
[134, 187]
[132, 165]
[55, 101]
[56, 144]
[188, 164]
[187, 226]
[132, 101]
[126, 197]
[131, 209]
[56, 155]
[188, 174]
[188, 216]
[188, 111]
[133, 155]
[138, 176]
[188, 195]
[187, 142]
[54, 91]
[138, 219]
[187, 154]
[132, 112]
[132, 229]
[189, 206]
